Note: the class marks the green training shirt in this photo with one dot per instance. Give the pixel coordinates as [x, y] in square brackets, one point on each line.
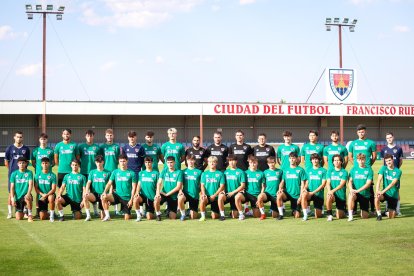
[255, 180]
[360, 176]
[212, 181]
[315, 179]
[66, 152]
[309, 149]
[44, 182]
[192, 178]
[122, 181]
[234, 178]
[39, 153]
[21, 182]
[283, 152]
[98, 179]
[176, 150]
[170, 180]
[336, 177]
[154, 152]
[272, 178]
[110, 153]
[74, 185]
[366, 147]
[87, 157]
[331, 150]
[388, 176]
[148, 181]
[293, 178]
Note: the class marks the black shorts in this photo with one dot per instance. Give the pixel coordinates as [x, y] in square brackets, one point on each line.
[124, 204]
[317, 202]
[250, 198]
[172, 203]
[20, 204]
[193, 202]
[272, 199]
[232, 201]
[391, 202]
[149, 204]
[293, 202]
[60, 179]
[340, 204]
[43, 204]
[363, 202]
[98, 199]
[75, 206]
[213, 205]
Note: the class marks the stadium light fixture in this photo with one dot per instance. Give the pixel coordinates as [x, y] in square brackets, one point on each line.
[61, 8]
[49, 7]
[28, 7]
[328, 28]
[336, 20]
[328, 20]
[38, 7]
[345, 21]
[354, 21]
[58, 17]
[30, 16]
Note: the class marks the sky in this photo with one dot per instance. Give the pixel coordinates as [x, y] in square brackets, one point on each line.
[206, 50]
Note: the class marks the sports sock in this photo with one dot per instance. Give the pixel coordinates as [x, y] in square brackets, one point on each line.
[262, 211]
[141, 209]
[9, 208]
[203, 214]
[52, 213]
[182, 212]
[29, 212]
[158, 213]
[308, 210]
[106, 213]
[305, 213]
[222, 213]
[95, 207]
[60, 213]
[280, 209]
[116, 208]
[398, 207]
[88, 213]
[350, 213]
[138, 213]
[379, 213]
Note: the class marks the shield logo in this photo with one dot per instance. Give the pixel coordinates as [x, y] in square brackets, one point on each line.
[341, 82]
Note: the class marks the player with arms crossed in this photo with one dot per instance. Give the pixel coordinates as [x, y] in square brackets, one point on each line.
[45, 186]
[360, 181]
[21, 185]
[120, 189]
[146, 189]
[74, 183]
[291, 186]
[191, 189]
[168, 186]
[336, 186]
[97, 180]
[390, 176]
[314, 187]
[273, 177]
[218, 150]
[212, 184]
[235, 183]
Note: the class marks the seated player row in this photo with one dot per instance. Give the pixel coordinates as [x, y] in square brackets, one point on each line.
[212, 187]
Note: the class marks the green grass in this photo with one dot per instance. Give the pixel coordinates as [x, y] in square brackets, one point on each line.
[191, 247]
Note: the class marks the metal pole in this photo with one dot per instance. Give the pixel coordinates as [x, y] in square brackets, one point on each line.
[44, 76]
[201, 129]
[341, 118]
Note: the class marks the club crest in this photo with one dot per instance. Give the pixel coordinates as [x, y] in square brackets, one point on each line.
[341, 82]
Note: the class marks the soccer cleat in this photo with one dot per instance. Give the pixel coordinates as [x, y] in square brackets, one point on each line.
[222, 218]
[379, 218]
[241, 217]
[138, 219]
[29, 218]
[350, 218]
[182, 218]
[106, 218]
[88, 218]
[62, 218]
[399, 214]
[117, 213]
[263, 216]
[202, 219]
[249, 213]
[9, 216]
[279, 217]
[330, 218]
[158, 218]
[304, 218]
[52, 219]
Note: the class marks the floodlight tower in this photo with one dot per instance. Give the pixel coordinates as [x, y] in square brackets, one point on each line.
[59, 15]
[345, 23]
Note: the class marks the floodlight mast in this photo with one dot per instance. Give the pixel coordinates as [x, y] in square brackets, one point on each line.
[345, 23]
[59, 14]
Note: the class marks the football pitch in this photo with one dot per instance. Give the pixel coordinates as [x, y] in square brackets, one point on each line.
[250, 247]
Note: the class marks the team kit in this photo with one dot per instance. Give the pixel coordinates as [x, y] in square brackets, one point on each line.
[241, 177]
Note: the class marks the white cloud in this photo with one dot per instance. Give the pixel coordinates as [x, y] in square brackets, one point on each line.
[203, 60]
[108, 66]
[401, 29]
[134, 13]
[159, 59]
[361, 2]
[6, 32]
[247, 2]
[29, 69]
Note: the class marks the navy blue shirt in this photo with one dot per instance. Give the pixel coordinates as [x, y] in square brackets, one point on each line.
[396, 153]
[13, 153]
[135, 155]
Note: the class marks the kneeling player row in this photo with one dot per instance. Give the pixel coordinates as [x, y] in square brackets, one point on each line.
[212, 187]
